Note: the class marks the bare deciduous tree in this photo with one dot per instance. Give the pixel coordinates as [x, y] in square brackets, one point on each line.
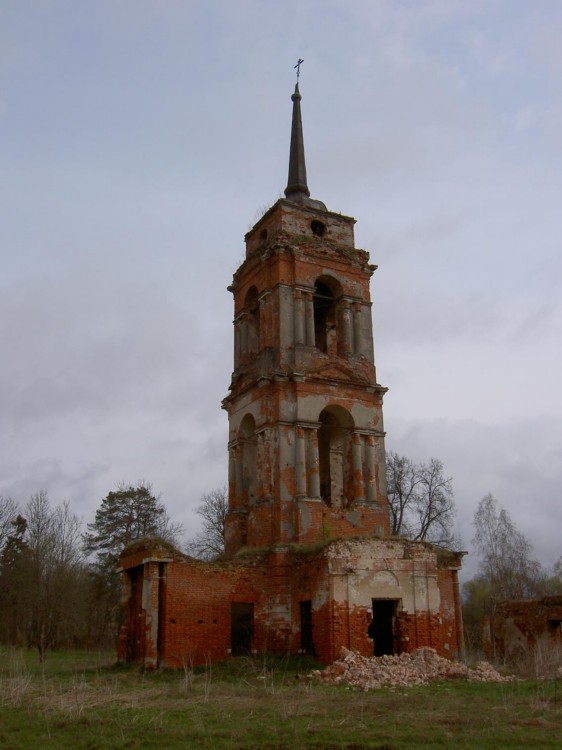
[421, 500]
[506, 555]
[8, 514]
[42, 576]
[402, 479]
[208, 543]
[507, 567]
[557, 569]
[553, 581]
[54, 548]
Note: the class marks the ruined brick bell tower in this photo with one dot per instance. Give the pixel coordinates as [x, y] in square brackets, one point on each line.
[306, 475]
[306, 440]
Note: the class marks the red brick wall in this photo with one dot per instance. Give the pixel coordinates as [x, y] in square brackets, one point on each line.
[192, 601]
[324, 523]
[198, 610]
[518, 625]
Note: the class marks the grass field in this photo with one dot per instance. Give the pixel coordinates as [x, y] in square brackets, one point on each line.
[80, 701]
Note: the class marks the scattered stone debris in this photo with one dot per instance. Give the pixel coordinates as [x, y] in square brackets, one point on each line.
[420, 667]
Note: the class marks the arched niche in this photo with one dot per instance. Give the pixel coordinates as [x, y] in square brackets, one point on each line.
[334, 454]
[252, 320]
[247, 441]
[327, 293]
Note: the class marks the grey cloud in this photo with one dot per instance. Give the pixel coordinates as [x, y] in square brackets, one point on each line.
[129, 183]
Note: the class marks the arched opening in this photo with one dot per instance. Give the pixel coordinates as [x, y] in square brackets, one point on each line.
[327, 292]
[252, 308]
[334, 453]
[248, 444]
[318, 228]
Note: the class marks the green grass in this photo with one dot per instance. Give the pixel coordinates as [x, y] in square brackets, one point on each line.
[79, 701]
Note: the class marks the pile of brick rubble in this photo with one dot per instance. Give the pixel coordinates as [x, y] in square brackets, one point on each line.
[420, 667]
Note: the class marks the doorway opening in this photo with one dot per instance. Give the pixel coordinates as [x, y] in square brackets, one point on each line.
[382, 626]
[307, 644]
[241, 628]
[134, 645]
[555, 629]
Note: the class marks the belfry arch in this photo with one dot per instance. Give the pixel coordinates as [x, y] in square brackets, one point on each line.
[334, 454]
[252, 321]
[327, 293]
[247, 442]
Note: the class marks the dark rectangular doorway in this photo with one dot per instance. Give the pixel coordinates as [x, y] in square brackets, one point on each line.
[134, 646]
[307, 644]
[241, 628]
[381, 629]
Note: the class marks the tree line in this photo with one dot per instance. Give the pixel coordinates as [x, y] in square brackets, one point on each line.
[59, 586]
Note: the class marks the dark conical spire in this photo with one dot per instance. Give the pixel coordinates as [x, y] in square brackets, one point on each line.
[297, 189]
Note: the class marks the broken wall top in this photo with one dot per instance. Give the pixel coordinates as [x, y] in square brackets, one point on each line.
[149, 549]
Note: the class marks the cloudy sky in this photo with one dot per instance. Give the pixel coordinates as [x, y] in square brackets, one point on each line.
[139, 141]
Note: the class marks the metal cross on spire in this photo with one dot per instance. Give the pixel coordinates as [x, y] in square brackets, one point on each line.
[298, 67]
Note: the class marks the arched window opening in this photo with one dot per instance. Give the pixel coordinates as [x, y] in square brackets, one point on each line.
[248, 443]
[334, 453]
[252, 308]
[324, 301]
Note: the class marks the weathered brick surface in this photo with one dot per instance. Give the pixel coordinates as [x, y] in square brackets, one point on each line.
[518, 626]
[184, 613]
[296, 220]
[288, 371]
